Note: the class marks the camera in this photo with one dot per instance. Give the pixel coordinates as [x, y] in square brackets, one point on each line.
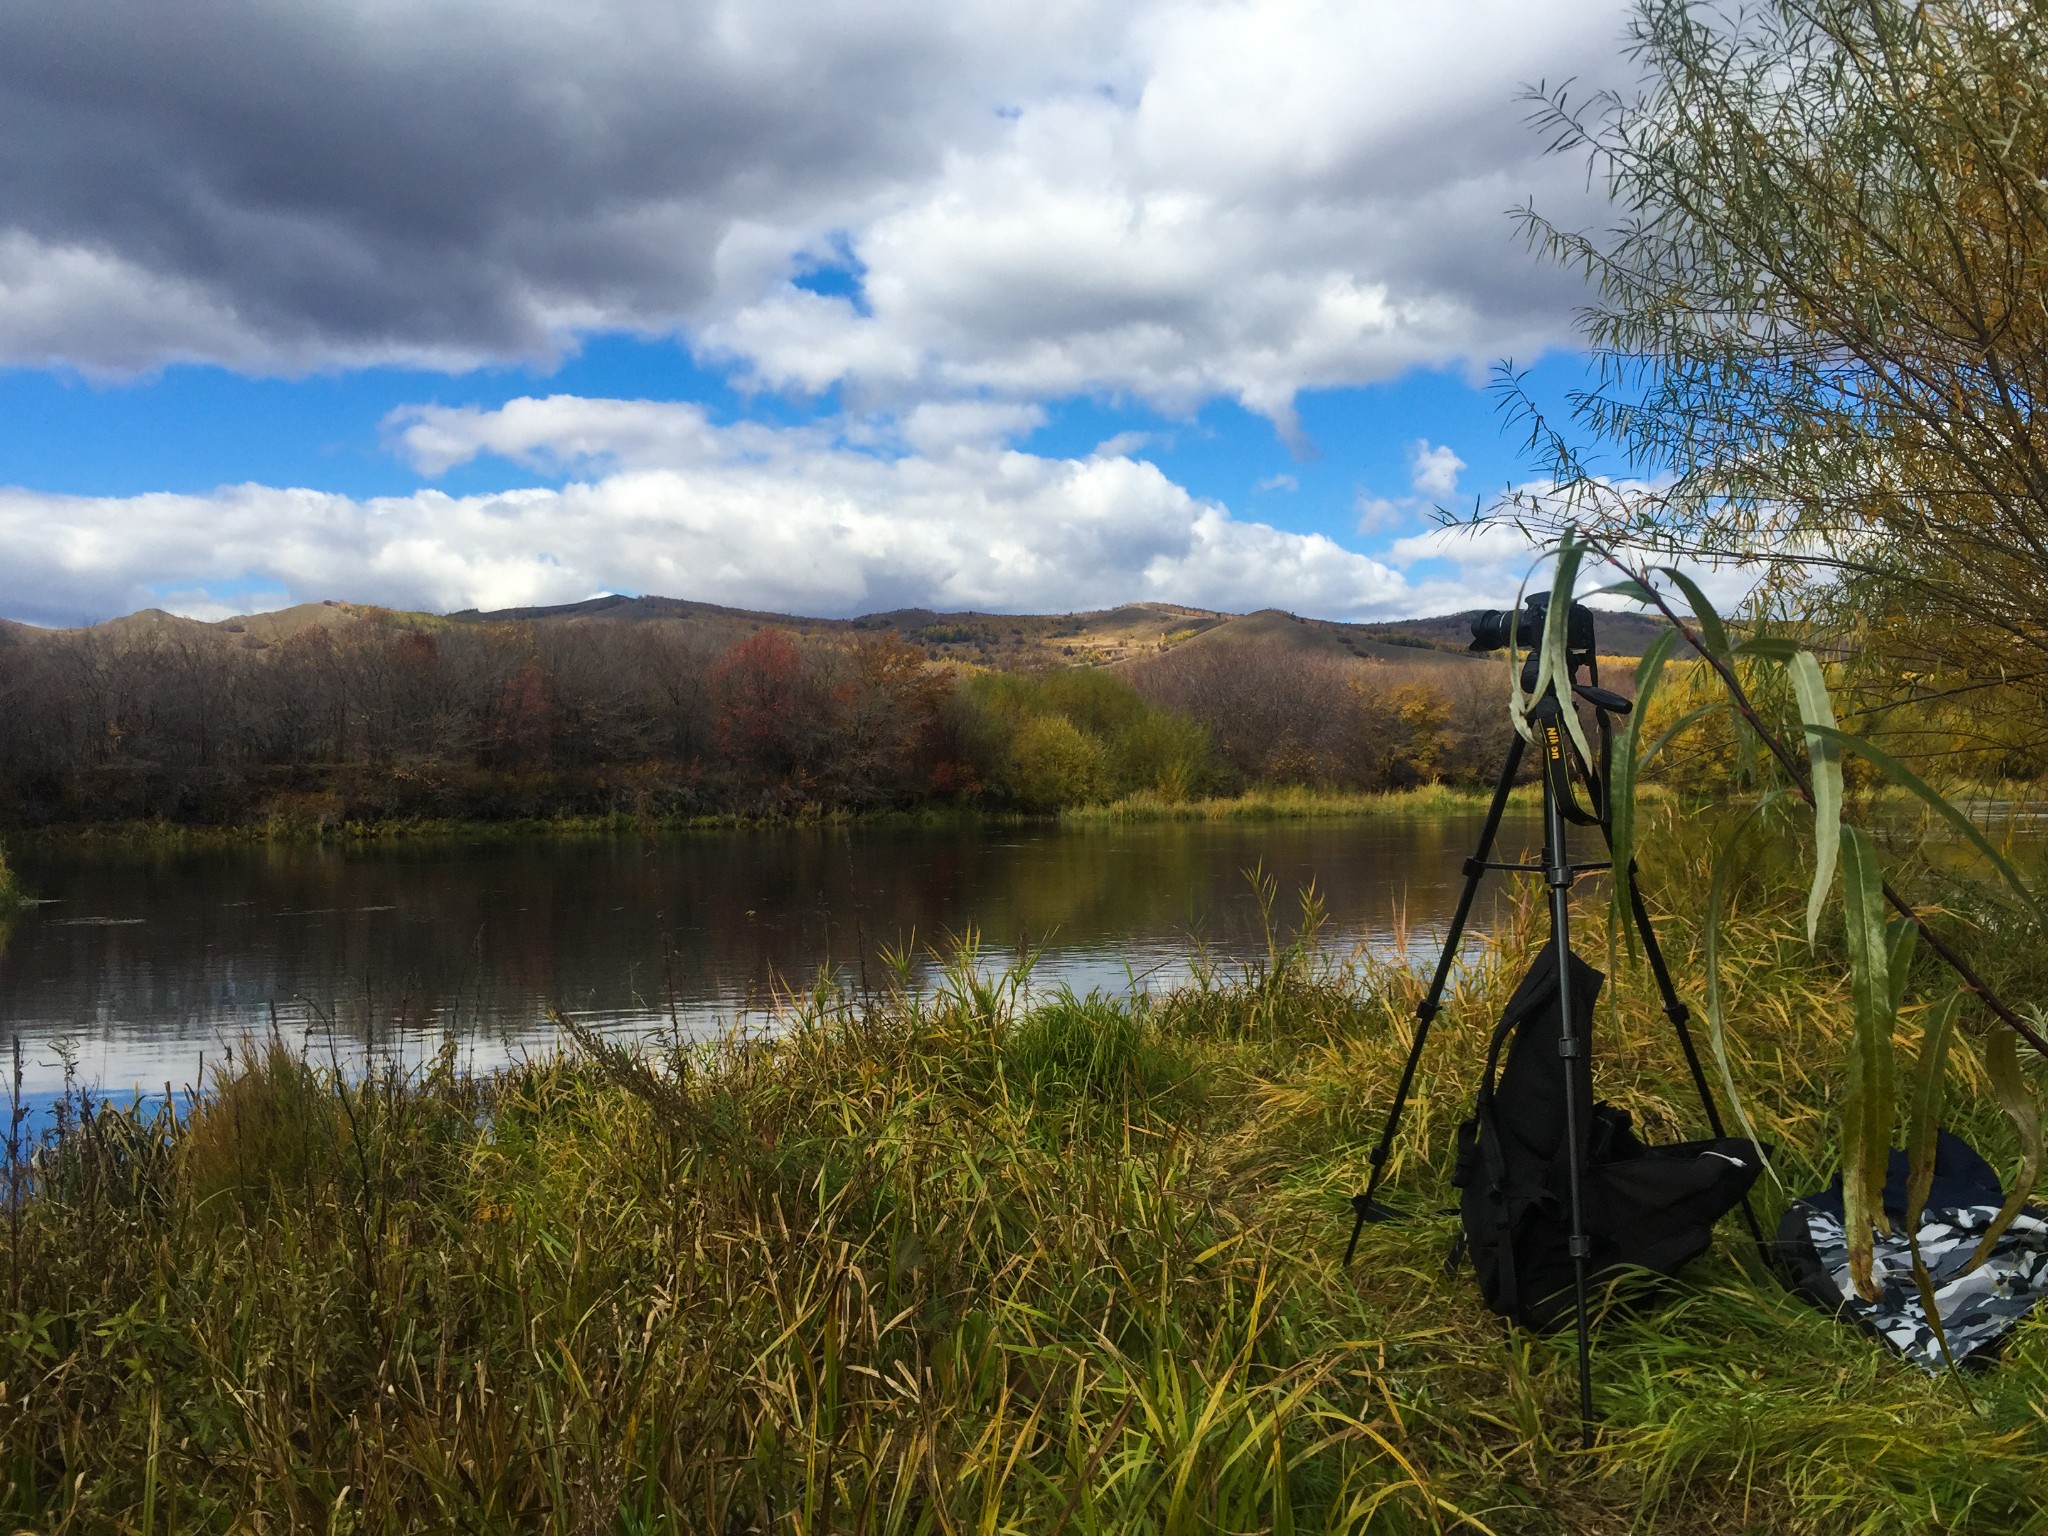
[1495, 627]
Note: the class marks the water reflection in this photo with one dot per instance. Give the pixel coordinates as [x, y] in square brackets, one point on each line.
[136, 964]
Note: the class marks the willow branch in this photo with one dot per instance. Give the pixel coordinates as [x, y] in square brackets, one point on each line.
[1796, 771]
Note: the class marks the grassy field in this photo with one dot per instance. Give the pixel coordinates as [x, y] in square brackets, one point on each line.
[952, 1259]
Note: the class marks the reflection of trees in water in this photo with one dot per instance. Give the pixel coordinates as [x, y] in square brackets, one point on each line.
[484, 938]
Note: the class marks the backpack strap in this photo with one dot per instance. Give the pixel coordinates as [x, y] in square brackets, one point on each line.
[1497, 1193]
[1496, 1162]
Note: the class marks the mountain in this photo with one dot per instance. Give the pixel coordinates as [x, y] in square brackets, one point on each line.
[1097, 638]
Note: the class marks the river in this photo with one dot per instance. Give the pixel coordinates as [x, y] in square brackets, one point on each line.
[135, 965]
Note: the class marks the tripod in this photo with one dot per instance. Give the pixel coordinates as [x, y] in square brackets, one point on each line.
[1560, 809]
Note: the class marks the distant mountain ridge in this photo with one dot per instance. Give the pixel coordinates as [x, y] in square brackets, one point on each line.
[1097, 637]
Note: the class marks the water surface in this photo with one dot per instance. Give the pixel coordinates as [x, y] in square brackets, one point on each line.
[135, 964]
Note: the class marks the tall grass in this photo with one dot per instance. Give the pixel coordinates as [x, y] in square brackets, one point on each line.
[953, 1259]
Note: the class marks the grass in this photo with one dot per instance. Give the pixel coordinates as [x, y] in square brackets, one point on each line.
[953, 1259]
[1294, 803]
[1278, 803]
[153, 835]
[1282, 803]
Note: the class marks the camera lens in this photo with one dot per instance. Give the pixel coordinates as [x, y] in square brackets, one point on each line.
[1494, 629]
[1490, 629]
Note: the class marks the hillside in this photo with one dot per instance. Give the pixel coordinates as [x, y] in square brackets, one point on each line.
[1102, 637]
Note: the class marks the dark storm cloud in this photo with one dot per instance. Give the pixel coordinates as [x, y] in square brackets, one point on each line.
[302, 184]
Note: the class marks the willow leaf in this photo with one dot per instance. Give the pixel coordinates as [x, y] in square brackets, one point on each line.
[1714, 636]
[1519, 702]
[1630, 589]
[1867, 1094]
[1712, 631]
[1621, 784]
[1923, 1132]
[1900, 774]
[1556, 668]
[1771, 647]
[1717, 1034]
[2009, 1090]
[1824, 757]
[1904, 938]
[1923, 1123]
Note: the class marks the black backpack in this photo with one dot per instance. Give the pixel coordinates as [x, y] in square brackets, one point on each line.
[1646, 1209]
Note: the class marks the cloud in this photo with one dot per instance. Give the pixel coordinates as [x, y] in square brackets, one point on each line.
[754, 516]
[1485, 565]
[936, 512]
[1376, 514]
[305, 186]
[1291, 195]
[1278, 483]
[1173, 199]
[1124, 444]
[1433, 474]
[1434, 471]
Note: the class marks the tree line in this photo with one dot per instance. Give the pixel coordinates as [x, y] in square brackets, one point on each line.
[377, 717]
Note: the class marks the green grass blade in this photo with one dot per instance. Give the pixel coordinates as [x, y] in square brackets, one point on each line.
[1824, 758]
[1867, 1095]
[2009, 1090]
[1900, 774]
[1717, 1034]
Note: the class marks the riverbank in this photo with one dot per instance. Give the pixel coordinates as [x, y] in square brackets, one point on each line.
[1284, 803]
[948, 1260]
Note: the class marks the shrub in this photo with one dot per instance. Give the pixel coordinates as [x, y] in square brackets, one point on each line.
[1091, 1047]
[1053, 762]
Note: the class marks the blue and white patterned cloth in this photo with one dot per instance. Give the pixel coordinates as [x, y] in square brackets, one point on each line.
[1977, 1309]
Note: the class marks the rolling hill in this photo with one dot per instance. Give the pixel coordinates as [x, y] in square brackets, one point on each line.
[1102, 637]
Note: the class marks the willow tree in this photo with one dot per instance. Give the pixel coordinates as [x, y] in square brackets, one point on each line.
[1821, 319]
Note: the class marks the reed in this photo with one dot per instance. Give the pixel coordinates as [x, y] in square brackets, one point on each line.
[948, 1257]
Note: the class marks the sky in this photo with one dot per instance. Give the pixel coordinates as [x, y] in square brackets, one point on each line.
[831, 309]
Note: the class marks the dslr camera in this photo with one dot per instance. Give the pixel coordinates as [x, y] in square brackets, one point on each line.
[1493, 629]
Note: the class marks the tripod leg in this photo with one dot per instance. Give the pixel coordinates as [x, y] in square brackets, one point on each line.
[1363, 1205]
[1557, 874]
[1680, 1017]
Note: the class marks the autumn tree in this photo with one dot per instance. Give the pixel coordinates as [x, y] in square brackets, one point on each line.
[1821, 320]
[764, 712]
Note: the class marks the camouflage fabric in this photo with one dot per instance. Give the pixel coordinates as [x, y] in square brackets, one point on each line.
[1977, 1309]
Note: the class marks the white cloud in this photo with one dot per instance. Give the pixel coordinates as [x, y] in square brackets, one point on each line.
[1290, 194]
[1485, 565]
[1376, 514]
[746, 515]
[1434, 471]
[1177, 199]
[1124, 444]
[1278, 483]
[783, 518]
